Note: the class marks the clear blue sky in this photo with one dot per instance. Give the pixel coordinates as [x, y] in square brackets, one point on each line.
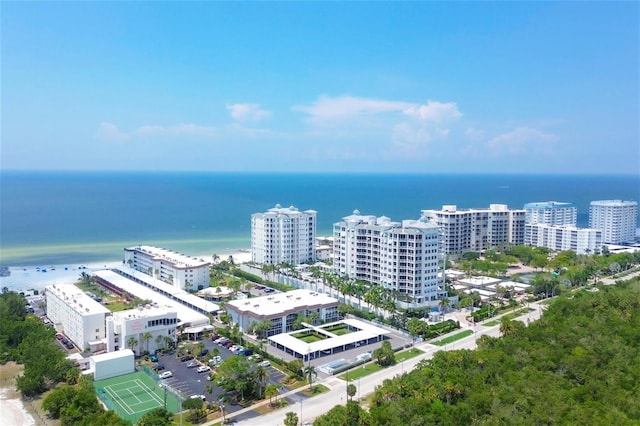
[431, 87]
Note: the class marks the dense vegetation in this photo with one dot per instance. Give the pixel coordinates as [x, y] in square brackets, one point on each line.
[579, 364]
[26, 340]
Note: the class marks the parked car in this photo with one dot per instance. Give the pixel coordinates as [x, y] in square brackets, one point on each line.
[203, 369]
[246, 352]
[68, 345]
[64, 340]
[154, 358]
[192, 364]
[228, 344]
[215, 360]
[215, 336]
[202, 397]
[166, 375]
[158, 367]
[204, 352]
[255, 358]
[269, 290]
[186, 358]
[59, 336]
[265, 363]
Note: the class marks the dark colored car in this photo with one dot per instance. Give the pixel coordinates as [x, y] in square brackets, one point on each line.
[64, 340]
[186, 358]
[154, 358]
[69, 345]
[215, 336]
[204, 352]
[158, 367]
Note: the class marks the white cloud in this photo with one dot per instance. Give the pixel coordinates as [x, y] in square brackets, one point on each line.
[522, 140]
[474, 135]
[248, 112]
[187, 129]
[110, 131]
[435, 112]
[328, 109]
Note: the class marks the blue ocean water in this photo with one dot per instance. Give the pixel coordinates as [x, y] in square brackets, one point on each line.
[65, 217]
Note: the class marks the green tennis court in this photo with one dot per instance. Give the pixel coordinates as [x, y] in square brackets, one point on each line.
[132, 395]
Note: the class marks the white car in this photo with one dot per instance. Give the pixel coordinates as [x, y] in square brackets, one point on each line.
[166, 375]
[265, 363]
[202, 397]
[203, 369]
[215, 360]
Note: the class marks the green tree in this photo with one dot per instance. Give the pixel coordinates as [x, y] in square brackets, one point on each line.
[351, 390]
[291, 419]
[415, 327]
[146, 336]
[384, 355]
[58, 399]
[156, 417]
[310, 372]
[132, 342]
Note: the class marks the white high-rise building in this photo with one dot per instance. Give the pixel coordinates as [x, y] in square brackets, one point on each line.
[76, 315]
[616, 218]
[564, 237]
[402, 257]
[179, 270]
[477, 229]
[551, 213]
[283, 234]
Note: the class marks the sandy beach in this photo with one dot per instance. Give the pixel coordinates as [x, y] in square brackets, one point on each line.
[29, 277]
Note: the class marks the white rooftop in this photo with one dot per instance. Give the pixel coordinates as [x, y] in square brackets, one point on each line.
[178, 260]
[77, 299]
[479, 281]
[185, 314]
[171, 291]
[277, 303]
[145, 311]
[123, 353]
[220, 291]
[366, 331]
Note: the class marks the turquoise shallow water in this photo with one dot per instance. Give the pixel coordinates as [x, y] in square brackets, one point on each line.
[80, 217]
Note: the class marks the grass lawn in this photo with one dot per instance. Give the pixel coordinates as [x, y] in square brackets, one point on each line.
[410, 353]
[338, 330]
[453, 338]
[359, 372]
[509, 316]
[310, 338]
[317, 390]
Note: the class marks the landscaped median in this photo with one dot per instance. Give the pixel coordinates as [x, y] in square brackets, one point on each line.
[453, 338]
[372, 367]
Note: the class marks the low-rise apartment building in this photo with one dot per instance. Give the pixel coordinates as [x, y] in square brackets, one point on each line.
[179, 270]
[282, 310]
[151, 327]
[76, 315]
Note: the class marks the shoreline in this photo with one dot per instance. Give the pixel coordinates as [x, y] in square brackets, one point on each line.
[23, 278]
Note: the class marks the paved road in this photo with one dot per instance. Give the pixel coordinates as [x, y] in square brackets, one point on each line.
[311, 408]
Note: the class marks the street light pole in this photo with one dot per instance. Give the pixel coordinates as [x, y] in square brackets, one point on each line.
[301, 411]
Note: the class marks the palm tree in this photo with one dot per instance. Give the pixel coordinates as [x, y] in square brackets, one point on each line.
[187, 285]
[168, 341]
[507, 326]
[270, 391]
[146, 337]
[159, 341]
[310, 372]
[444, 304]
[261, 376]
[351, 390]
[131, 342]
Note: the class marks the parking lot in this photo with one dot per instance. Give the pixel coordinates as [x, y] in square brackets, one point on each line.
[189, 382]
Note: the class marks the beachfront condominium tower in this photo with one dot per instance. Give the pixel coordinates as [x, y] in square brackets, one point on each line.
[405, 258]
[179, 270]
[616, 218]
[563, 237]
[283, 234]
[476, 230]
[551, 213]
